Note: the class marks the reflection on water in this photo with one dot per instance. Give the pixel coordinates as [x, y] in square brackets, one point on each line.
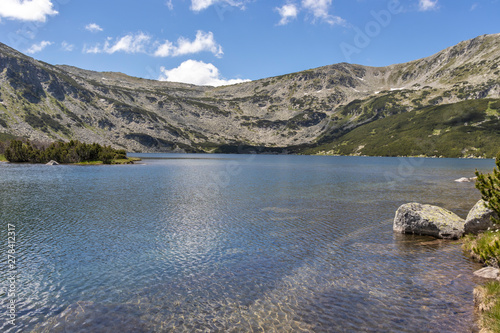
[236, 243]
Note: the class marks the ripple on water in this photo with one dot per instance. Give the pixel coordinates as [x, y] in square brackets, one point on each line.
[276, 248]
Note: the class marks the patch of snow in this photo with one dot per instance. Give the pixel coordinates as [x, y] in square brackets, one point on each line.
[393, 89]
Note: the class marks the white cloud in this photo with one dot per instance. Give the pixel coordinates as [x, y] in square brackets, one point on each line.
[92, 49]
[165, 50]
[204, 41]
[128, 44]
[425, 5]
[132, 43]
[169, 4]
[196, 72]
[65, 46]
[93, 27]
[143, 43]
[35, 48]
[27, 10]
[320, 10]
[199, 5]
[287, 12]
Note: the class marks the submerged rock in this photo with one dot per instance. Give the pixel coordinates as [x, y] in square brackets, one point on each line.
[416, 218]
[479, 219]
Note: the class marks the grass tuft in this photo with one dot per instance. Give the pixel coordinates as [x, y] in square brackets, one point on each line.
[484, 247]
[487, 299]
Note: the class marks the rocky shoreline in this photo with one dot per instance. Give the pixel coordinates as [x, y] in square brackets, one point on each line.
[421, 219]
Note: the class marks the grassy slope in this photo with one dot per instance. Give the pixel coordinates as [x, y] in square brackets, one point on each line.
[468, 128]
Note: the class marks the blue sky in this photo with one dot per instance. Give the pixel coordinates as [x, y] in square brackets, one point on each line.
[217, 42]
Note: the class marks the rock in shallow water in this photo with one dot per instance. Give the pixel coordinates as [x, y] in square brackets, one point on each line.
[488, 273]
[416, 218]
[466, 180]
[479, 219]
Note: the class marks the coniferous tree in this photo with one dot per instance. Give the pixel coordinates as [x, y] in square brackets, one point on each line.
[489, 186]
[62, 152]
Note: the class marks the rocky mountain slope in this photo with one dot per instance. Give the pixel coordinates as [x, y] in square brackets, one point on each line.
[299, 111]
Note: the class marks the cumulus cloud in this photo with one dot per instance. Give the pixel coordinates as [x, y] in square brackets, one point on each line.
[132, 43]
[425, 5]
[320, 9]
[204, 41]
[129, 44]
[143, 43]
[317, 9]
[196, 72]
[27, 10]
[199, 5]
[287, 12]
[35, 48]
[93, 27]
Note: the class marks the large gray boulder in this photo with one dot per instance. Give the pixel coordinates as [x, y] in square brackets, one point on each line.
[479, 219]
[415, 218]
[488, 273]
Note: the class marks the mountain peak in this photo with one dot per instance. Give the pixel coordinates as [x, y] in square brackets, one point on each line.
[45, 103]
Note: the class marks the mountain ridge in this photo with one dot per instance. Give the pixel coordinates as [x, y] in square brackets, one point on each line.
[297, 111]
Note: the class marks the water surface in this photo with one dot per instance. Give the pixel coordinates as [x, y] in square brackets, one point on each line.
[235, 243]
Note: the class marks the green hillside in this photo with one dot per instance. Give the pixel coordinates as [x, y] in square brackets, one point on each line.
[465, 129]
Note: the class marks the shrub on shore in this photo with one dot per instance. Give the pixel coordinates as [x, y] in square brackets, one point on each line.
[489, 186]
[62, 152]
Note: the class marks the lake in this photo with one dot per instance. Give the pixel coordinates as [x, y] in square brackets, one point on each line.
[234, 243]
